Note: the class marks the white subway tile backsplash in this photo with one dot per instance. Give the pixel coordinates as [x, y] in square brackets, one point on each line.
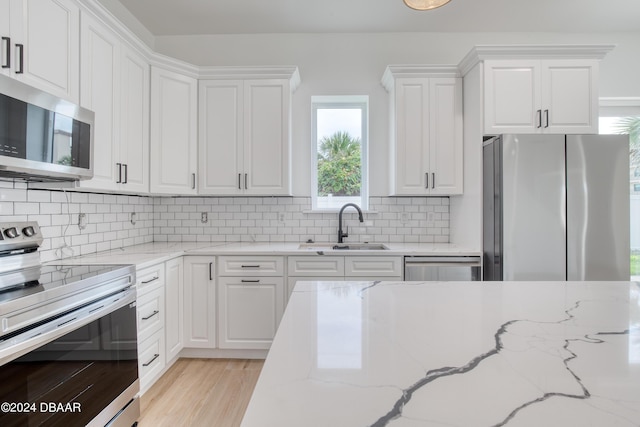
[167, 219]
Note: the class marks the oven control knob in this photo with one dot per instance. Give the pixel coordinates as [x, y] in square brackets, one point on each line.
[11, 233]
[28, 231]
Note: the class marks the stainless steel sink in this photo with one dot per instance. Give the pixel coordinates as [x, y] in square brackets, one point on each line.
[343, 246]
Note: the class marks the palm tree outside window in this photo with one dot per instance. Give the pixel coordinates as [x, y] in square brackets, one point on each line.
[339, 151]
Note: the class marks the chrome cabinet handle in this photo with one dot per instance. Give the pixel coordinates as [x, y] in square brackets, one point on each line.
[193, 181]
[126, 173]
[250, 266]
[546, 118]
[245, 181]
[155, 356]
[210, 271]
[7, 58]
[249, 281]
[151, 315]
[119, 173]
[20, 48]
[239, 181]
[433, 180]
[539, 113]
[150, 280]
[426, 174]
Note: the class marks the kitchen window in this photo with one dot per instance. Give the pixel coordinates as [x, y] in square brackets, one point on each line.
[339, 152]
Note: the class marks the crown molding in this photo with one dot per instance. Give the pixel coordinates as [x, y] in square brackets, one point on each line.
[483, 52]
[394, 71]
[289, 72]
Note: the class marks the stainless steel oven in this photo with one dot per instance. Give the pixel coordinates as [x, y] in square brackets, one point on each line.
[68, 340]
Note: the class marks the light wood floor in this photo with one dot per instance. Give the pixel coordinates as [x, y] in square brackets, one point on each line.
[201, 392]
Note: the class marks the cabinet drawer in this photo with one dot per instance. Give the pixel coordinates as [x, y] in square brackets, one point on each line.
[373, 266]
[151, 359]
[316, 266]
[251, 266]
[150, 312]
[149, 278]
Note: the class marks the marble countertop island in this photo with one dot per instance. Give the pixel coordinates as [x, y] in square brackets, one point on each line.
[453, 354]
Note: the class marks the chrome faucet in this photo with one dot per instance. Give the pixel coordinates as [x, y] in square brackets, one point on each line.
[344, 234]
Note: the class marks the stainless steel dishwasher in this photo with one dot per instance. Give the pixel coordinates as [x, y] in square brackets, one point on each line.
[442, 268]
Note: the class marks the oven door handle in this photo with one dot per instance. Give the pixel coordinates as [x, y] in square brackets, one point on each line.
[31, 339]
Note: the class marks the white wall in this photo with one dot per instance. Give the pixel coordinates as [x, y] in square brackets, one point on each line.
[352, 64]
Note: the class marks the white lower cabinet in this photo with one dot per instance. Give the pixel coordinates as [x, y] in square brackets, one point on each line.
[250, 301]
[249, 310]
[150, 311]
[151, 322]
[173, 292]
[341, 268]
[151, 359]
[199, 302]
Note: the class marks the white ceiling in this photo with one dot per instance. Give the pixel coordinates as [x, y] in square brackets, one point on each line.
[188, 17]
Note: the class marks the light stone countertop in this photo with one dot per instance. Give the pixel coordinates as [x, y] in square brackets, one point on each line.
[453, 354]
[149, 254]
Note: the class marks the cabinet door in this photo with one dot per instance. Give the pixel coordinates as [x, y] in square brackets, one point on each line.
[411, 162]
[570, 96]
[101, 94]
[51, 47]
[174, 289]
[11, 31]
[512, 96]
[445, 147]
[173, 132]
[199, 302]
[134, 121]
[221, 137]
[250, 311]
[266, 134]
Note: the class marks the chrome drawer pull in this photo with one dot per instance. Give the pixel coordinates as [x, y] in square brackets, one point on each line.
[150, 280]
[249, 281]
[155, 356]
[250, 266]
[151, 315]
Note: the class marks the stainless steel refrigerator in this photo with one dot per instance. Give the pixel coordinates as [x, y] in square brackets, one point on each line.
[556, 207]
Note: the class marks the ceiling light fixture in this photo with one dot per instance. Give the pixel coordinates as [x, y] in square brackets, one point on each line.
[425, 4]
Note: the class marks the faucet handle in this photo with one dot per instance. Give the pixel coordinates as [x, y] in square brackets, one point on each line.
[345, 233]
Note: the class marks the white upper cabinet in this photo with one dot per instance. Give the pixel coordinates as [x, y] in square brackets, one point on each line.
[221, 136]
[173, 132]
[245, 136]
[541, 96]
[100, 90]
[134, 120]
[115, 85]
[40, 44]
[426, 130]
[538, 88]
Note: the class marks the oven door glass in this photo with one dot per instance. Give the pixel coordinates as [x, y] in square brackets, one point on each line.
[69, 381]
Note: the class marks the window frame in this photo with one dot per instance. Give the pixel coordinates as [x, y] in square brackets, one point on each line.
[359, 102]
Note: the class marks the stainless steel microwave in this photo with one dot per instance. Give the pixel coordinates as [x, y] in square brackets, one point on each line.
[43, 138]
